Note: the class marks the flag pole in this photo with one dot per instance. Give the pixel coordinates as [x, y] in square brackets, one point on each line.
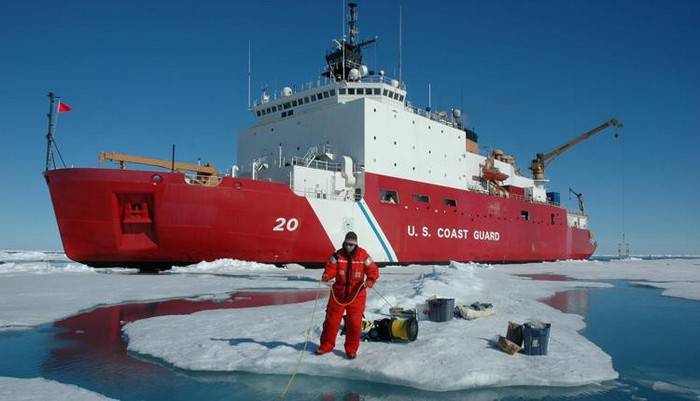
[52, 128]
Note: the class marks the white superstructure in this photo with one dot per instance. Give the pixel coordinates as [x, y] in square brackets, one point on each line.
[322, 138]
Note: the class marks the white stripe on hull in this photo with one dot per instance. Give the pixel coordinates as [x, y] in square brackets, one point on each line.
[337, 218]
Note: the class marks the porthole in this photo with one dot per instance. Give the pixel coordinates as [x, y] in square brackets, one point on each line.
[272, 129]
[394, 164]
[298, 148]
[430, 152]
[375, 110]
[375, 138]
[394, 142]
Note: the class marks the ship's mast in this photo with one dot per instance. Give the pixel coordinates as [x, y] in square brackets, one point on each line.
[348, 54]
[49, 135]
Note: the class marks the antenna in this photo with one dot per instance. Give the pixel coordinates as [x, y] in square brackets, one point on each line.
[400, 40]
[353, 30]
[249, 74]
[342, 22]
[430, 98]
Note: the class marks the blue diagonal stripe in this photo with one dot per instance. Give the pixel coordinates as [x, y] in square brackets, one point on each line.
[376, 232]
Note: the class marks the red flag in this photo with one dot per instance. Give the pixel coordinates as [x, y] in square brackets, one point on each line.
[63, 107]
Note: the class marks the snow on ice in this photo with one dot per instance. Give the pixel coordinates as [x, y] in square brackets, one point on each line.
[39, 389]
[447, 356]
[35, 293]
[677, 277]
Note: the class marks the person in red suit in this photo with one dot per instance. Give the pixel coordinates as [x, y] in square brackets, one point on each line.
[354, 271]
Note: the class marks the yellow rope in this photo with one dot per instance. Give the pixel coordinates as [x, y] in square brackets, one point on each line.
[308, 332]
[306, 342]
[353, 298]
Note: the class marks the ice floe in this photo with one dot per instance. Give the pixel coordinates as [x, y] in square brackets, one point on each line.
[677, 277]
[447, 356]
[43, 268]
[39, 389]
[21, 255]
[30, 299]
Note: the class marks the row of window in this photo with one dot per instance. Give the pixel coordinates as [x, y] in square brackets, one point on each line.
[325, 94]
[392, 197]
[296, 102]
[372, 91]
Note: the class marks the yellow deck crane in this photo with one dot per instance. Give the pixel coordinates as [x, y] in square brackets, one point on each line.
[542, 160]
[204, 174]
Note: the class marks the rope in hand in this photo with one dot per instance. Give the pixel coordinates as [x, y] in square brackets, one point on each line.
[311, 323]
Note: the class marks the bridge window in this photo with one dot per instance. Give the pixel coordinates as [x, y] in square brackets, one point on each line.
[325, 94]
[450, 202]
[421, 198]
[258, 113]
[294, 103]
[274, 109]
[342, 91]
[351, 91]
[377, 91]
[524, 215]
[313, 98]
[332, 92]
[386, 92]
[388, 196]
[287, 105]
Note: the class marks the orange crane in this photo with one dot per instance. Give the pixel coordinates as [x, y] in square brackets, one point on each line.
[205, 174]
[542, 160]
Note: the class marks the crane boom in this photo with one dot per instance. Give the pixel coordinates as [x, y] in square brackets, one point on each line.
[206, 174]
[543, 160]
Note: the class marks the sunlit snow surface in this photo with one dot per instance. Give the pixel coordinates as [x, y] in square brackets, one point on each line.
[39, 389]
[447, 356]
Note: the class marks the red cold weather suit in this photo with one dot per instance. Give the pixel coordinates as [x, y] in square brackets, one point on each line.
[349, 271]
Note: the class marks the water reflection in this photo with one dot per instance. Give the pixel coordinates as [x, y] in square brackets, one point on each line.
[570, 301]
[91, 343]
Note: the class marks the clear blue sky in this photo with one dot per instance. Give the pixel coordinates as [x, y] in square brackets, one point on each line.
[143, 75]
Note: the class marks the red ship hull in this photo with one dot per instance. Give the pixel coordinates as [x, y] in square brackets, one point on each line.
[148, 219]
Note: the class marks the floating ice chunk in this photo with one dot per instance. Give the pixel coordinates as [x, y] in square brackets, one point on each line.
[678, 277]
[454, 355]
[40, 389]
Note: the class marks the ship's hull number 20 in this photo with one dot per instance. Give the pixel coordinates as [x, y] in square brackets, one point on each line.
[284, 224]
